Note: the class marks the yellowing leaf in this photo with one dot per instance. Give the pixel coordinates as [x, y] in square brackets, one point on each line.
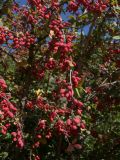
[39, 92]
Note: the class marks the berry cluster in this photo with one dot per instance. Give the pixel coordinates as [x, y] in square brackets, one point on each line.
[7, 116]
[95, 7]
[18, 138]
[16, 41]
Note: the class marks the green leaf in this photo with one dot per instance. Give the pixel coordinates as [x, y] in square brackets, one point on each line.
[1, 23]
[116, 37]
[77, 91]
[3, 155]
[8, 136]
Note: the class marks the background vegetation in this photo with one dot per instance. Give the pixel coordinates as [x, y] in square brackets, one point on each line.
[59, 80]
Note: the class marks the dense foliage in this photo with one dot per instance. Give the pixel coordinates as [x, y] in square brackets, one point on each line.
[59, 80]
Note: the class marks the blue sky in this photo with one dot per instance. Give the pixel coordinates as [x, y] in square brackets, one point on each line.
[21, 1]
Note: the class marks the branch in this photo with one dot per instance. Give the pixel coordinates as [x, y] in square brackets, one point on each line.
[109, 84]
